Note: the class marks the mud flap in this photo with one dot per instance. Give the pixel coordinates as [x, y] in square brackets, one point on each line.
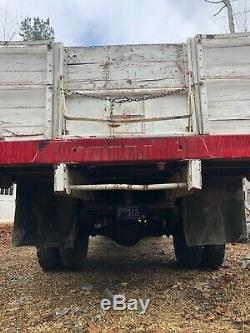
[216, 214]
[42, 218]
[5, 181]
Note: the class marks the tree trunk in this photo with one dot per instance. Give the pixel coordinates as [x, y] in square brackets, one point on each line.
[230, 16]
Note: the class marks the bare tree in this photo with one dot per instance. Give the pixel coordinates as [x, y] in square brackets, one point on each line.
[243, 17]
[241, 13]
[9, 22]
[228, 5]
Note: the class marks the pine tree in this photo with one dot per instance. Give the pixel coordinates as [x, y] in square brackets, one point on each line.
[36, 29]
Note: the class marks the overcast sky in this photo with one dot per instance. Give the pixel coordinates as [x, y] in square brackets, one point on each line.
[105, 22]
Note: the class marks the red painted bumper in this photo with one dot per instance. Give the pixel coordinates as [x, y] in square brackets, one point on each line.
[125, 150]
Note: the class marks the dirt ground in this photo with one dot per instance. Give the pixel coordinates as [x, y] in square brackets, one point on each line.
[181, 300]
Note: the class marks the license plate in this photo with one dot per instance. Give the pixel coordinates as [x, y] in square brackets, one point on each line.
[129, 213]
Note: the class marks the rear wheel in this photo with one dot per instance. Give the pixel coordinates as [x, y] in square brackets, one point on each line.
[186, 256]
[213, 256]
[48, 258]
[73, 258]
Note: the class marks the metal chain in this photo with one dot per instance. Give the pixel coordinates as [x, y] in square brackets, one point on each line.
[130, 99]
[142, 98]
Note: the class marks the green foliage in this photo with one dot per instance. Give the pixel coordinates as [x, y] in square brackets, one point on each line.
[36, 29]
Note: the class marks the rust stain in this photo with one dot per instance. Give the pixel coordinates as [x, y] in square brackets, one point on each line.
[106, 65]
[42, 144]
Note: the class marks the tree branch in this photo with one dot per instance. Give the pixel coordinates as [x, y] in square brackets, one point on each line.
[219, 10]
[228, 5]
[12, 36]
[209, 1]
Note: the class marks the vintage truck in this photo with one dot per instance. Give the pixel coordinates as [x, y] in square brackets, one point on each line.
[127, 142]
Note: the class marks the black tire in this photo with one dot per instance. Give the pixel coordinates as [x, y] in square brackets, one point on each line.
[187, 256]
[73, 258]
[48, 258]
[213, 256]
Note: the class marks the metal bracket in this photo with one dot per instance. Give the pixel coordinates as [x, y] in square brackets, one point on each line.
[1, 131]
[67, 181]
[194, 175]
[61, 179]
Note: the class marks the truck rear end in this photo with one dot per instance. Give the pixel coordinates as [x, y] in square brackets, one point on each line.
[126, 142]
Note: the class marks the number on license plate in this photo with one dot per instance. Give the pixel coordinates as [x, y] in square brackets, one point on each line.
[129, 213]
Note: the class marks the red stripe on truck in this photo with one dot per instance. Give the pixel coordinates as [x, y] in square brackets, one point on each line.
[116, 150]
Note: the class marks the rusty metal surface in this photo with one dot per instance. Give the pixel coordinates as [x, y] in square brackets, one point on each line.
[128, 187]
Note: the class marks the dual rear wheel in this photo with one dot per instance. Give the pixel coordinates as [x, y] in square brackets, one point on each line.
[194, 257]
[68, 258]
[73, 258]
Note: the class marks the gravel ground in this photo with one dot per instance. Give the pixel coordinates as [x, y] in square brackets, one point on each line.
[181, 300]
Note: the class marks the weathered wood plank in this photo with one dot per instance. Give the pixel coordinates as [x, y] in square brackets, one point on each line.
[126, 85]
[22, 122]
[232, 62]
[22, 117]
[23, 82]
[32, 78]
[26, 98]
[226, 40]
[151, 114]
[16, 62]
[119, 67]
[122, 76]
[120, 53]
[227, 75]
[228, 91]
[223, 127]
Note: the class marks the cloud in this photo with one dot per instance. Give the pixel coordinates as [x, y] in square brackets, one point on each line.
[99, 22]
[140, 21]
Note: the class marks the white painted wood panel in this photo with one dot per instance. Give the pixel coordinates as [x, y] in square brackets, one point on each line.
[91, 117]
[85, 107]
[120, 53]
[116, 67]
[129, 90]
[22, 112]
[125, 76]
[228, 62]
[214, 41]
[227, 77]
[22, 98]
[24, 85]
[16, 62]
[20, 65]
[22, 77]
